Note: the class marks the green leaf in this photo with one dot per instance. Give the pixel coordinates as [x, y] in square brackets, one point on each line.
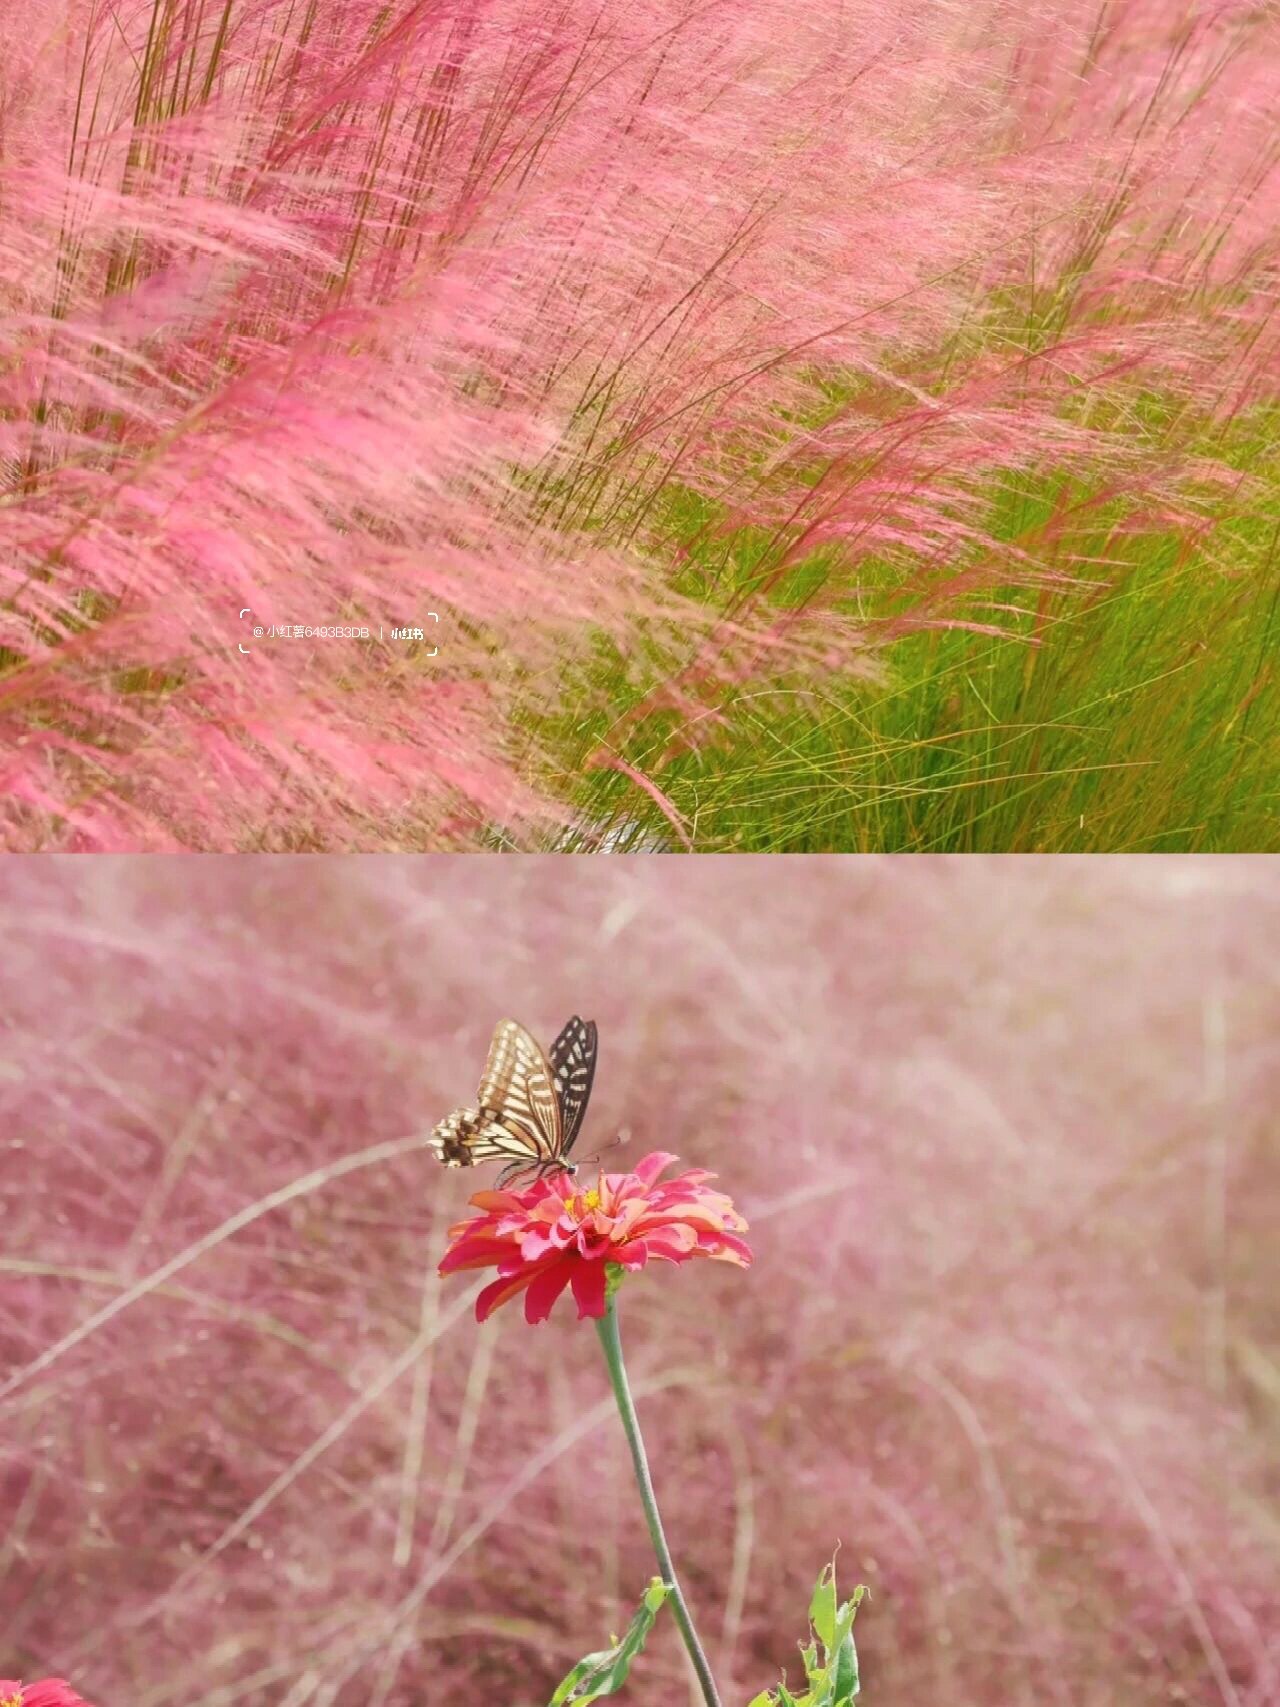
[842, 1661]
[844, 1678]
[604, 1672]
[822, 1608]
[833, 1680]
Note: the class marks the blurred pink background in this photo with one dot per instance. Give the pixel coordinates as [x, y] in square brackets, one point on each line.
[1005, 1134]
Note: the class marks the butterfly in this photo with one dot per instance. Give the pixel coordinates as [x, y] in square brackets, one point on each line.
[531, 1106]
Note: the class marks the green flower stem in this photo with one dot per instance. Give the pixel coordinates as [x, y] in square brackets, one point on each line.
[607, 1328]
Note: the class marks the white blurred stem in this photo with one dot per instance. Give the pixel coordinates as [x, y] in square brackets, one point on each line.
[1215, 1191]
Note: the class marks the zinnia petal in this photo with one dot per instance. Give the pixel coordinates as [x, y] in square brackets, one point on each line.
[553, 1234]
[499, 1292]
[49, 1692]
[590, 1281]
[674, 1243]
[506, 1200]
[647, 1171]
[726, 1248]
[474, 1251]
[545, 1289]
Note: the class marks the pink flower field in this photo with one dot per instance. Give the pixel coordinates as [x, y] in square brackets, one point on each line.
[451, 424]
[1004, 1137]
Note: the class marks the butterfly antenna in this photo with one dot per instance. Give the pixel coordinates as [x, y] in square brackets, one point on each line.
[621, 1138]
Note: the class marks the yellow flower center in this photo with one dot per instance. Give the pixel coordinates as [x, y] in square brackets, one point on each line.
[578, 1207]
[10, 1701]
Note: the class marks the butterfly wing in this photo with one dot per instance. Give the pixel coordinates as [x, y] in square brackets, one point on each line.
[573, 1070]
[516, 1090]
[519, 1119]
[469, 1136]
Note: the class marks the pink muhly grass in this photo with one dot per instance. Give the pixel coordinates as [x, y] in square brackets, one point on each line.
[345, 316]
[1003, 1133]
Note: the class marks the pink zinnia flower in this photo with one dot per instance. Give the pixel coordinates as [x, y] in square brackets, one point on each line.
[49, 1692]
[552, 1234]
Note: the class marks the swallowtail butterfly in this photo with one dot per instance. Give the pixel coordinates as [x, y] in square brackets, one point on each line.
[530, 1106]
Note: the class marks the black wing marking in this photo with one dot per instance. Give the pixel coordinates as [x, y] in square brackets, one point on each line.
[470, 1135]
[573, 1070]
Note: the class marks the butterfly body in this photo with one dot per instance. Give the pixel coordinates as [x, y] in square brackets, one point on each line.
[529, 1107]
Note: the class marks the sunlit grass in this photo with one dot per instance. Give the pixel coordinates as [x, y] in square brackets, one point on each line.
[1139, 713]
[817, 428]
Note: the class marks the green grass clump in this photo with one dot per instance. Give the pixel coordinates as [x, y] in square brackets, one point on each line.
[1137, 712]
